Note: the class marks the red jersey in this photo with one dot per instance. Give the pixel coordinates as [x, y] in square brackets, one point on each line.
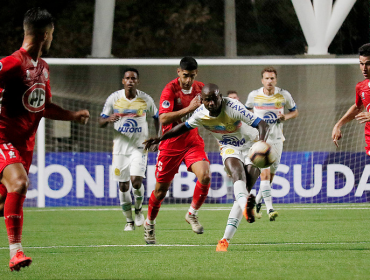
[174, 99]
[24, 89]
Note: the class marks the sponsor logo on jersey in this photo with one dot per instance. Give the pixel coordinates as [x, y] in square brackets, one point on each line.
[129, 126]
[241, 109]
[232, 140]
[270, 117]
[46, 75]
[34, 98]
[166, 104]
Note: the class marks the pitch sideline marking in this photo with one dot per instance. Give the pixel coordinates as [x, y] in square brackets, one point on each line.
[193, 245]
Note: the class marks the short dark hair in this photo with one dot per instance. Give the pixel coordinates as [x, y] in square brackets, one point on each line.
[37, 18]
[188, 63]
[231, 91]
[269, 69]
[130, 69]
[364, 50]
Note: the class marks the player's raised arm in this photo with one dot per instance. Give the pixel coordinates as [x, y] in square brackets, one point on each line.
[55, 112]
[104, 121]
[171, 117]
[262, 128]
[174, 132]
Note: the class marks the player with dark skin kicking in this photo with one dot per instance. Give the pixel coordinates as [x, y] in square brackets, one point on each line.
[227, 119]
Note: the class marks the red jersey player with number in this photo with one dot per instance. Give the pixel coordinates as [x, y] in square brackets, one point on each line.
[25, 99]
[362, 101]
[179, 99]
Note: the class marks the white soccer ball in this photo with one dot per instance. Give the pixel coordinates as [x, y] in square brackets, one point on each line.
[261, 154]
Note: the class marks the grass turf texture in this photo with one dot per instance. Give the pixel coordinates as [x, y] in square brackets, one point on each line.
[306, 242]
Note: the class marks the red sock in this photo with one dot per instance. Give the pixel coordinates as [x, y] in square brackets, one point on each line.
[13, 214]
[3, 190]
[200, 195]
[153, 207]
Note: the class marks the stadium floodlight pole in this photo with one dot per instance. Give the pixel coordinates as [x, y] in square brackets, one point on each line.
[41, 182]
[230, 29]
[103, 28]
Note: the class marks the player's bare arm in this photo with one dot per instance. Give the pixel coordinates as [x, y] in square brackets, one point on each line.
[288, 116]
[262, 128]
[55, 112]
[174, 132]
[171, 117]
[103, 122]
[347, 117]
[363, 117]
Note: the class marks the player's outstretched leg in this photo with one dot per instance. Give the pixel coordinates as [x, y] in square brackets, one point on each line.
[249, 208]
[199, 196]
[126, 204]
[149, 225]
[233, 222]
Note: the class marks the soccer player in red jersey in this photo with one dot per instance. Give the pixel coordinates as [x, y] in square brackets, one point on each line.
[362, 101]
[179, 99]
[25, 99]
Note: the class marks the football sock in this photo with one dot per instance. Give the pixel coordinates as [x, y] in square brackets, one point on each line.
[13, 215]
[153, 208]
[199, 196]
[126, 204]
[259, 196]
[265, 189]
[241, 193]
[14, 248]
[139, 195]
[233, 221]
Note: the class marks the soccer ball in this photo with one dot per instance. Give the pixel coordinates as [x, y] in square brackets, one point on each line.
[261, 154]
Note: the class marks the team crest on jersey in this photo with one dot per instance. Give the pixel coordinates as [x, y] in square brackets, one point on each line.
[363, 95]
[229, 151]
[139, 112]
[46, 75]
[179, 101]
[166, 104]
[34, 98]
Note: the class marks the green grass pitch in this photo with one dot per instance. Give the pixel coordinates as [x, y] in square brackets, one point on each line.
[313, 241]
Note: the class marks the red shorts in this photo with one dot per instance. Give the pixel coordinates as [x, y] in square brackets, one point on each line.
[168, 164]
[10, 155]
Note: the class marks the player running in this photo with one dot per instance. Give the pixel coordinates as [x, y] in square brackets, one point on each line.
[26, 98]
[268, 103]
[362, 101]
[128, 109]
[179, 98]
[233, 127]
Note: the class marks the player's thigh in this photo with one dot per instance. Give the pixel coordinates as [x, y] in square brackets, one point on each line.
[138, 163]
[167, 166]
[196, 154]
[121, 168]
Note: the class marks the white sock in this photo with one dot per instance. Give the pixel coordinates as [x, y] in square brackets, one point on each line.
[265, 189]
[14, 248]
[139, 195]
[126, 204]
[241, 193]
[193, 211]
[233, 221]
[259, 196]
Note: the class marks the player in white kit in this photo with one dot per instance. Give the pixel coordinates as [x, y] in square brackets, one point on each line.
[234, 128]
[268, 103]
[128, 109]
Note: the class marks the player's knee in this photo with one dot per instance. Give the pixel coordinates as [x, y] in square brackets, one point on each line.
[124, 186]
[136, 182]
[19, 185]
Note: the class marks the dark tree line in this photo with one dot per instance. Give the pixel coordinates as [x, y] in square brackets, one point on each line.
[174, 28]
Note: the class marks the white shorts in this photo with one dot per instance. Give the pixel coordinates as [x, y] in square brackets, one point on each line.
[124, 166]
[230, 151]
[277, 148]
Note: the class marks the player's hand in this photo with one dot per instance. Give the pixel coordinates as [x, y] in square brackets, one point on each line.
[82, 116]
[363, 117]
[150, 142]
[281, 117]
[195, 103]
[113, 118]
[336, 135]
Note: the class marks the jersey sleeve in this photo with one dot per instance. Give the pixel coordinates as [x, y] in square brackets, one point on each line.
[167, 100]
[250, 101]
[108, 107]
[290, 104]
[9, 67]
[358, 96]
[241, 113]
[152, 109]
[195, 119]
